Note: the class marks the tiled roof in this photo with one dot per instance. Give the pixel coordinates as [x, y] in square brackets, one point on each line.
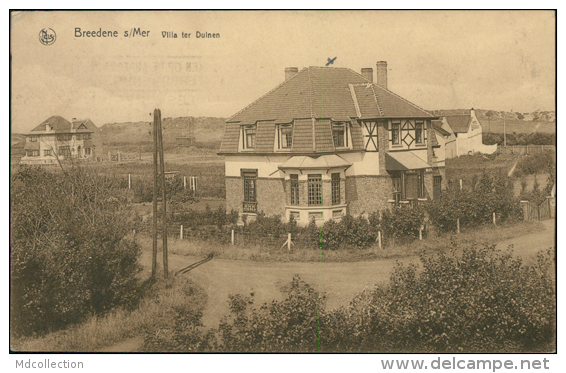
[62, 125]
[459, 123]
[437, 125]
[57, 123]
[319, 93]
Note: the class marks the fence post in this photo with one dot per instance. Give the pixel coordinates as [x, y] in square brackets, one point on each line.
[379, 239]
[232, 237]
[421, 233]
[494, 219]
[134, 235]
[129, 181]
[184, 182]
[460, 184]
[513, 150]
[289, 241]
[181, 232]
[458, 225]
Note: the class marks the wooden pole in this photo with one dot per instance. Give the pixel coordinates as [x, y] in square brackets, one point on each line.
[154, 230]
[181, 233]
[164, 201]
[494, 218]
[421, 233]
[379, 239]
[460, 184]
[289, 241]
[232, 237]
[129, 181]
[458, 225]
[184, 182]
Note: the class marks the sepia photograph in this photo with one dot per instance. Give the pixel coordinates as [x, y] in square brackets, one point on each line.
[339, 181]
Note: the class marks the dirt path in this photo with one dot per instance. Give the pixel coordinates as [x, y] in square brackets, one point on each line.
[266, 281]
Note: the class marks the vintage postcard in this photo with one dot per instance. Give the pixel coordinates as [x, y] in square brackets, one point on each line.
[284, 182]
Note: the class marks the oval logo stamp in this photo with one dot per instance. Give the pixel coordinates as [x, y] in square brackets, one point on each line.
[47, 36]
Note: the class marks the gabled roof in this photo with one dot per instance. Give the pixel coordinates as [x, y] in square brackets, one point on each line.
[459, 123]
[57, 123]
[437, 125]
[327, 92]
[61, 125]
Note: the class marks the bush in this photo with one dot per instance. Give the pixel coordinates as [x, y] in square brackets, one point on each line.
[544, 162]
[476, 300]
[476, 206]
[70, 252]
[402, 222]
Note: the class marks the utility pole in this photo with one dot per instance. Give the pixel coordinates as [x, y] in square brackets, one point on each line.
[504, 133]
[154, 231]
[163, 199]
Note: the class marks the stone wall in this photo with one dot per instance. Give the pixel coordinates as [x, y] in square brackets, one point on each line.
[368, 193]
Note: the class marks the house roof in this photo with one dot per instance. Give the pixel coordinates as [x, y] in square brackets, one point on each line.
[322, 162]
[62, 125]
[459, 123]
[327, 92]
[437, 125]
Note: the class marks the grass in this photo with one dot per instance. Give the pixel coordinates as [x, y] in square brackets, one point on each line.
[155, 310]
[261, 253]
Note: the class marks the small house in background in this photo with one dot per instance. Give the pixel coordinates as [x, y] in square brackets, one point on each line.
[328, 142]
[58, 139]
[466, 135]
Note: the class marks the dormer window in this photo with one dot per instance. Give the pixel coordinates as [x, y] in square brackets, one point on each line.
[248, 137]
[32, 139]
[285, 136]
[340, 134]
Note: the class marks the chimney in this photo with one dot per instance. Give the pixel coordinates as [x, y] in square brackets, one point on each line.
[473, 113]
[290, 72]
[367, 72]
[382, 74]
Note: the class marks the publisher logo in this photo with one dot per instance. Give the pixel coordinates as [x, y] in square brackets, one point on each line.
[47, 36]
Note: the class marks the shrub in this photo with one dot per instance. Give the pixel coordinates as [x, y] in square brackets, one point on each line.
[70, 252]
[402, 222]
[544, 162]
[476, 206]
[290, 325]
[473, 300]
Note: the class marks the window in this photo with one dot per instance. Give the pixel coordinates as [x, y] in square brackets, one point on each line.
[315, 189]
[65, 137]
[249, 137]
[419, 126]
[84, 136]
[340, 135]
[396, 189]
[336, 189]
[285, 137]
[65, 151]
[250, 197]
[395, 133]
[47, 152]
[32, 139]
[87, 151]
[32, 153]
[294, 189]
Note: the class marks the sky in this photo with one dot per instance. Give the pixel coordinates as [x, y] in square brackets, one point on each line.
[498, 60]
